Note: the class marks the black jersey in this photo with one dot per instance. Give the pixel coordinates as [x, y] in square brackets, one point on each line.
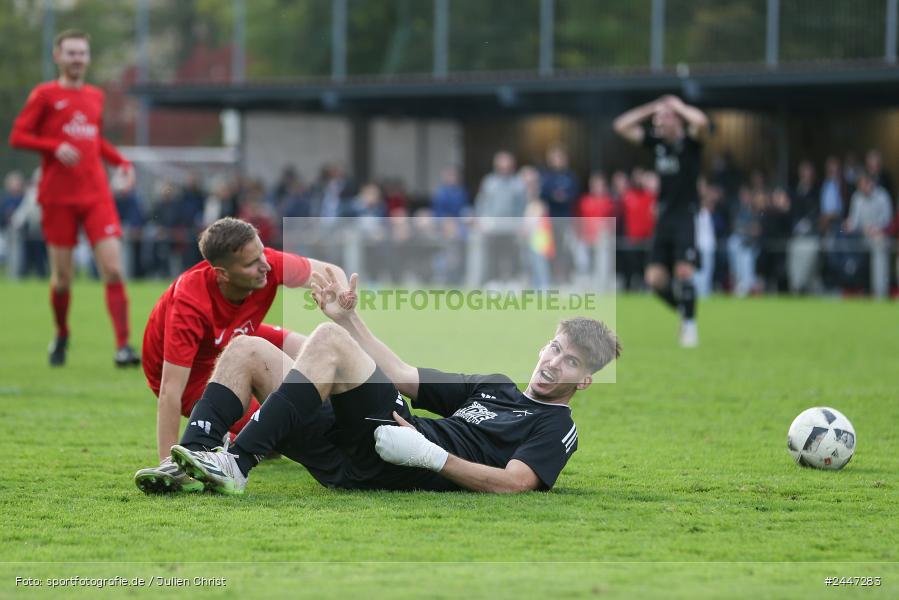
[677, 166]
[487, 420]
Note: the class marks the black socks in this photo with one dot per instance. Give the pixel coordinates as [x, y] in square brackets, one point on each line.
[666, 294]
[685, 292]
[213, 414]
[295, 403]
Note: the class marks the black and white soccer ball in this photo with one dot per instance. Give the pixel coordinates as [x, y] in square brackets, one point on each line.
[822, 438]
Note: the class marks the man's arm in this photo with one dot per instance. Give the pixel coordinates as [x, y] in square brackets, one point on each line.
[516, 477]
[24, 136]
[629, 125]
[697, 121]
[407, 447]
[168, 413]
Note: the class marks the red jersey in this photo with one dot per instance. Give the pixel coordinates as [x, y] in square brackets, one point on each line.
[591, 209]
[52, 115]
[639, 214]
[193, 322]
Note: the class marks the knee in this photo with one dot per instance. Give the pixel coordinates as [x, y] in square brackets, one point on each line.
[656, 279]
[112, 275]
[328, 334]
[61, 280]
[242, 350]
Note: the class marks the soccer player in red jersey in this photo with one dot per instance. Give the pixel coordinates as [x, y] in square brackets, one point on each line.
[225, 296]
[63, 120]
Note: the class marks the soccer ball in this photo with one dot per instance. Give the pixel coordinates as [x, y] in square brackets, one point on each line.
[822, 438]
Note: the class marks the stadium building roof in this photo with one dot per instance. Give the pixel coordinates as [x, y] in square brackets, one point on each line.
[791, 87]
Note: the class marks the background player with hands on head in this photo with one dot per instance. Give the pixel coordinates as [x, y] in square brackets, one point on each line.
[673, 135]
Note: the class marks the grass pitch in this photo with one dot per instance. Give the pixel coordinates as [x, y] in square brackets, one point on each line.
[682, 486]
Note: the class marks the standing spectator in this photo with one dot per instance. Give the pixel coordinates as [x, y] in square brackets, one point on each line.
[260, 214]
[26, 221]
[709, 197]
[742, 246]
[638, 206]
[448, 205]
[870, 211]
[13, 193]
[285, 185]
[870, 214]
[832, 194]
[450, 198]
[805, 200]
[591, 211]
[499, 205]
[332, 196]
[559, 190]
[538, 229]
[132, 220]
[558, 184]
[396, 197]
[803, 246]
[775, 227]
[295, 200]
[874, 168]
[63, 121]
[220, 203]
[166, 231]
[852, 170]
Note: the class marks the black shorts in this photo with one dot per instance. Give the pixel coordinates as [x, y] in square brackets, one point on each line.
[338, 447]
[674, 241]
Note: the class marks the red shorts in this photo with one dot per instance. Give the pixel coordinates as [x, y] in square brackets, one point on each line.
[60, 222]
[199, 377]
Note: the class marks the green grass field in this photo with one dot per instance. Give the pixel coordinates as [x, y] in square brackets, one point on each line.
[681, 488]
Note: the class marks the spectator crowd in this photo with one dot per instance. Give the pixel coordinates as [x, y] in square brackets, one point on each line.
[831, 229]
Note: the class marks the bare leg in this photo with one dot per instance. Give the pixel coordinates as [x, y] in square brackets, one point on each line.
[62, 268]
[333, 361]
[108, 253]
[293, 344]
[249, 366]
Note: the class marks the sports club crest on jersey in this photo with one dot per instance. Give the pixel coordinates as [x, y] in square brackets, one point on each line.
[79, 128]
[475, 413]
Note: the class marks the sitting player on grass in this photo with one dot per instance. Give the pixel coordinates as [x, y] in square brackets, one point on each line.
[492, 437]
[215, 302]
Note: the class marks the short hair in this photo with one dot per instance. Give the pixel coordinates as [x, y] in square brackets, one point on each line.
[70, 34]
[222, 239]
[593, 339]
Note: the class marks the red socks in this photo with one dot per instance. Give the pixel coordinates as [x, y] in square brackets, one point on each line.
[117, 305]
[59, 300]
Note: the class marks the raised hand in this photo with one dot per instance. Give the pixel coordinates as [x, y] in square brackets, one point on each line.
[335, 300]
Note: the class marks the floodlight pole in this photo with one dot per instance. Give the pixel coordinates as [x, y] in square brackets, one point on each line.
[890, 37]
[441, 39]
[338, 39]
[547, 24]
[772, 34]
[239, 49]
[49, 32]
[657, 36]
[142, 29]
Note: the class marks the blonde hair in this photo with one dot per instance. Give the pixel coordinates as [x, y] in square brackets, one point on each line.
[222, 239]
[593, 339]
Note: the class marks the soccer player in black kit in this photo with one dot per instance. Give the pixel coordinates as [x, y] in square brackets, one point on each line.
[674, 138]
[492, 437]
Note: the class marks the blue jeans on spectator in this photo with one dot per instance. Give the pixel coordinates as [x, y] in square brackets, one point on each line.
[742, 264]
